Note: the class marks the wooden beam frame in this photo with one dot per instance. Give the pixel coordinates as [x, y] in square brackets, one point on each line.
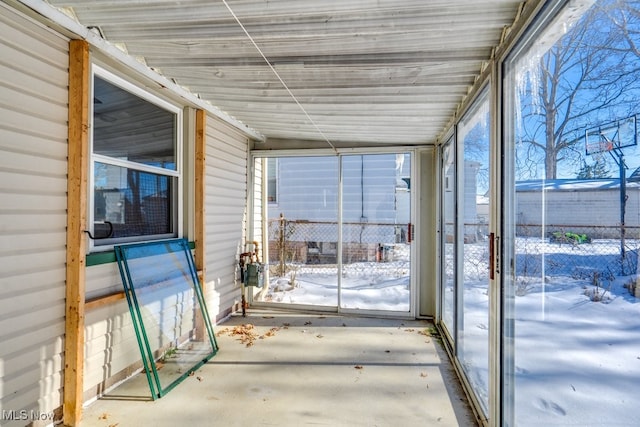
[199, 202]
[79, 88]
[199, 206]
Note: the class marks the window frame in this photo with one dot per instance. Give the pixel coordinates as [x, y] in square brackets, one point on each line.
[177, 205]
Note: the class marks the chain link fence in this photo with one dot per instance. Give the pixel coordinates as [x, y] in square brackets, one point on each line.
[374, 249]
[575, 251]
[311, 247]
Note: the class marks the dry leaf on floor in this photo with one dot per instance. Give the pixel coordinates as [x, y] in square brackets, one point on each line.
[104, 416]
[423, 374]
[271, 332]
[319, 336]
[222, 332]
[359, 367]
[246, 333]
[307, 322]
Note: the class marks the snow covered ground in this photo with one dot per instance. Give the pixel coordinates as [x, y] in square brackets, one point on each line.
[575, 361]
[364, 285]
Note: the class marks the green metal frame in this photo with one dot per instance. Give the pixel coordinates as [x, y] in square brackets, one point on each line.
[136, 286]
[107, 257]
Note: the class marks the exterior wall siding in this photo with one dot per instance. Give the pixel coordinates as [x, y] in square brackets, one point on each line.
[33, 167]
[226, 215]
[111, 351]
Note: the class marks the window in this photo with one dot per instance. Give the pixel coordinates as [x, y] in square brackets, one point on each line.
[135, 163]
[272, 180]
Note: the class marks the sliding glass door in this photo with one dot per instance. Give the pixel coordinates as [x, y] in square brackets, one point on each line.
[572, 229]
[339, 232]
[376, 235]
[448, 244]
[302, 220]
[464, 288]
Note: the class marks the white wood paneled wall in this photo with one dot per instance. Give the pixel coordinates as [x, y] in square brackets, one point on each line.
[33, 185]
[226, 214]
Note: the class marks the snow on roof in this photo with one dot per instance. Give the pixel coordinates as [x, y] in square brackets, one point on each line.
[571, 184]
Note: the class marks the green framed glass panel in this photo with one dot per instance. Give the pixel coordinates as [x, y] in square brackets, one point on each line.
[166, 304]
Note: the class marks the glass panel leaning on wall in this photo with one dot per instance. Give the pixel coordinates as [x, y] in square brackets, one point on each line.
[572, 226]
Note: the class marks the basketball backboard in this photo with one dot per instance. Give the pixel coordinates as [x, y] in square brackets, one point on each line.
[606, 137]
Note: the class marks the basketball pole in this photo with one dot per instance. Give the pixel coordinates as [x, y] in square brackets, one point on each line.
[618, 157]
[623, 202]
[608, 138]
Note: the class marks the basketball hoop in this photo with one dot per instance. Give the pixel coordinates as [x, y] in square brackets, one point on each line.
[599, 147]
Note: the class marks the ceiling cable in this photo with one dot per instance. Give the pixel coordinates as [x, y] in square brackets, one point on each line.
[278, 76]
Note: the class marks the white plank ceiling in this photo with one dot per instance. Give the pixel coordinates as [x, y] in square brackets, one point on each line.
[361, 72]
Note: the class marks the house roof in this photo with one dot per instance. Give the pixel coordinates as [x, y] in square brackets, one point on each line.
[338, 72]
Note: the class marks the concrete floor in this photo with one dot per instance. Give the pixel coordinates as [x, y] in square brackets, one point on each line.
[312, 369]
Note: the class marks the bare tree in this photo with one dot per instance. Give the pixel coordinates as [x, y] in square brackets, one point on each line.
[588, 76]
[625, 17]
[476, 148]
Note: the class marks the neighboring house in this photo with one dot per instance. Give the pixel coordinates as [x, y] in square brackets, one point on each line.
[376, 203]
[474, 225]
[565, 199]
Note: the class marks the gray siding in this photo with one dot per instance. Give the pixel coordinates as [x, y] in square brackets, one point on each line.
[33, 167]
[226, 214]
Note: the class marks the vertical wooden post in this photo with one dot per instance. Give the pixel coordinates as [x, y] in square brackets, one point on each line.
[199, 205]
[79, 81]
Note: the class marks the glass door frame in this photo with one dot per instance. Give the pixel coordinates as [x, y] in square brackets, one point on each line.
[258, 234]
[450, 335]
[452, 339]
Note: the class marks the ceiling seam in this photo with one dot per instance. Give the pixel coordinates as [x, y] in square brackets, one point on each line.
[275, 72]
